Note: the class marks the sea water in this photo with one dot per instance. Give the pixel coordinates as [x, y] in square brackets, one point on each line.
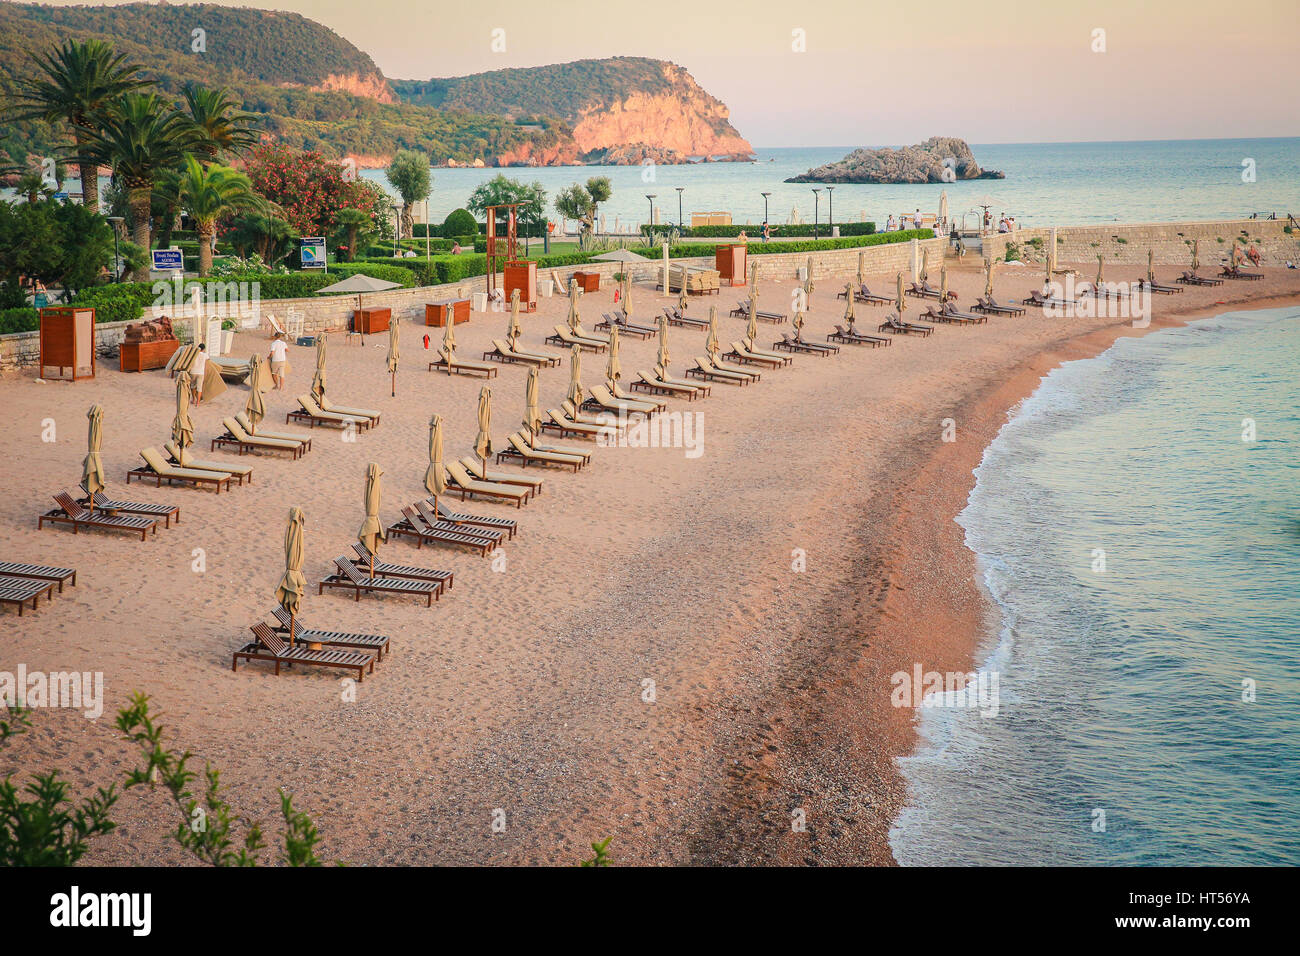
[1137, 522]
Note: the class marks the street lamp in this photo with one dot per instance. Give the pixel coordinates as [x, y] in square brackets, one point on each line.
[817, 195]
[830, 209]
[651, 197]
[117, 258]
[765, 195]
[680, 190]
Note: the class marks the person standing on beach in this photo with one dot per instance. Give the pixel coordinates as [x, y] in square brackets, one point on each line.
[196, 374]
[767, 232]
[889, 223]
[279, 358]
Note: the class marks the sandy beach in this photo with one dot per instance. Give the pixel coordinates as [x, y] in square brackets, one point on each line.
[643, 661]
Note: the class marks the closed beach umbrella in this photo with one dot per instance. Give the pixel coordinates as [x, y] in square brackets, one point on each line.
[988, 278]
[627, 293]
[751, 328]
[513, 331]
[943, 286]
[575, 377]
[1047, 275]
[808, 282]
[435, 476]
[682, 302]
[862, 272]
[925, 264]
[711, 339]
[255, 407]
[258, 378]
[573, 319]
[753, 280]
[182, 427]
[613, 369]
[318, 379]
[483, 440]
[1196, 254]
[449, 343]
[532, 415]
[943, 206]
[293, 585]
[1151, 266]
[662, 358]
[850, 309]
[902, 297]
[92, 469]
[1101, 263]
[393, 353]
[797, 321]
[372, 531]
[1051, 254]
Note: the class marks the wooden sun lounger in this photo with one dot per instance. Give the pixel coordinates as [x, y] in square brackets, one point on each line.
[350, 579]
[1235, 272]
[467, 487]
[849, 337]
[18, 591]
[1036, 299]
[244, 442]
[501, 352]
[522, 452]
[675, 317]
[989, 305]
[602, 399]
[894, 325]
[240, 473]
[106, 504]
[40, 572]
[1191, 278]
[950, 310]
[69, 512]
[863, 294]
[311, 413]
[560, 424]
[1160, 287]
[637, 331]
[776, 318]
[462, 367]
[412, 525]
[270, 646]
[364, 557]
[302, 438]
[651, 383]
[788, 344]
[379, 643]
[622, 395]
[159, 471]
[705, 370]
[475, 468]
[743, 353]
[922, 290]
[563, 337]
[369, 413]
[442, 513]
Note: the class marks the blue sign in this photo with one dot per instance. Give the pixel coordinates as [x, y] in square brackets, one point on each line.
[60, 195]
[311, 252]
[168, 260]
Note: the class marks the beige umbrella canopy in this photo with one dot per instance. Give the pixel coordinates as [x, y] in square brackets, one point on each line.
[797, 321]
[449, 343]
[575, 377]
[1047, 274]
[1151, 266]
[318, 379]
[258, 379]
[255, 407]
[573, 318]
[943, 286]
[1196, 254]
[1101, 263]
[753, 280]
[532, 413]
[862, 271]
[682, 301]
[435, 476]
[393, 352]
[661, 359]
[808, 282]
[988, 278]
[627, 294]
[751, 327]
[92, 468]
[943, 206]
[293, 585]
[613, 368]
[483, 440]
[925, 264]
[513, 330]
[901, 300]
[850, 309]
[711, 339]
[372, 530]
[182, 427]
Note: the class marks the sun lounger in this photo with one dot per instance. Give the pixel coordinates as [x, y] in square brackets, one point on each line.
[949, 310]
[507, 525]
[704, 369]
[349, 578]
[109, 506]
[270, 646]
[1036, 299]
[623, 395]
[69, 512]
[240, 473]
[601, 398]
[1159, 287]
[893, 325]
[560, 424]
[564, 337]
[413, 525]
[1235, 272]
[231, 370]
[1191, 278]
[578, 415]
[40, 572]
[851, 337]
[158, 469]
[790, 344]
[245, 442]
[329, 406]
[776, 318]
[18, 591]
[475, 468]
[722, 366]
[311, 413]
[525, 454]
[863, 294]
[676, 317]
[364, 558]
[465, 485]
[743, 353]
[619, 320]
[990, 305]
[302, 438]
[461, 366]
[923, 290]
[649, 382]
[502, 352]
[379, 643]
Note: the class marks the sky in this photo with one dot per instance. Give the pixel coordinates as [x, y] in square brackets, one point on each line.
[875, 73]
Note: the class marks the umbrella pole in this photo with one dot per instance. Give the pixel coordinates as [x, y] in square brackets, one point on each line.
[394, 384]
[291, 627]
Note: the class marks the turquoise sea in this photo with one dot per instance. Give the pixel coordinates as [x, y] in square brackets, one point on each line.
[1157, 696]
[1046, 184]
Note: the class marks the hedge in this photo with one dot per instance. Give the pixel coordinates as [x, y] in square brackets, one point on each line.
[387, 271]
[756, 232]
[696, 250]
[19, 320]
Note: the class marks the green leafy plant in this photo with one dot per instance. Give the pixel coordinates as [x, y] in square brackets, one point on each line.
[460, 222]
[601, 856]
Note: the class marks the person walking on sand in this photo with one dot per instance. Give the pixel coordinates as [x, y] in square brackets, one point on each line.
[279, 360]
[196, 374]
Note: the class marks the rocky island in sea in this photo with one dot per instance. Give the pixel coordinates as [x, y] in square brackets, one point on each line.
[939, 159]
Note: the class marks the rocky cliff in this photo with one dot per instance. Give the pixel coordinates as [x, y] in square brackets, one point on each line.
[939, 159]
[372, 86]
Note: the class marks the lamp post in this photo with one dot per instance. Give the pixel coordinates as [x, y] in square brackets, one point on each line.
[765, 195]
[817, 195]
[830, 209]
[651, 197]
[680, 190]
[117, 258]
[427, 246]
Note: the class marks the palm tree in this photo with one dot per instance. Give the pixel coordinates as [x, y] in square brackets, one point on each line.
[77, 82]
[140, 136]
[267, 234]
[207, 194]
[354, 227]
[217, 123]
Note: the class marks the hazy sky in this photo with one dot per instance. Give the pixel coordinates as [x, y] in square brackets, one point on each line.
[879, 73]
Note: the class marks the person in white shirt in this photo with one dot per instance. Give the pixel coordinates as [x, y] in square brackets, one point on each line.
[279, 360]
[196, 375]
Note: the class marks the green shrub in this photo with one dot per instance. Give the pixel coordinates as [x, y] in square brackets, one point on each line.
[457, 268]
[695, 250]
[460, 222]
[756, 232]
[19, 320]
[389, 273]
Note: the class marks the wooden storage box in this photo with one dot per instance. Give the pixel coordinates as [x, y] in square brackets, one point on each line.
[522, 275]
[370, 321]
[142, 356]
[436, 313]
[588, 281]
[730, 263]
